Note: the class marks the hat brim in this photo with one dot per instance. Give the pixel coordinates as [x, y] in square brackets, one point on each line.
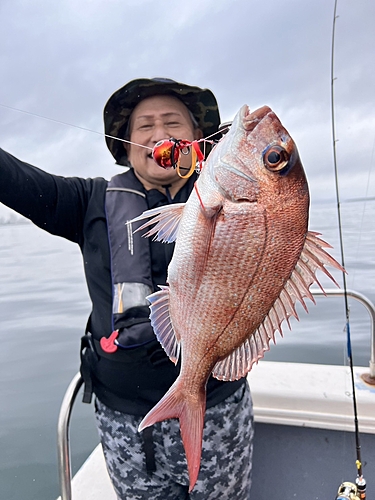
[201, 102]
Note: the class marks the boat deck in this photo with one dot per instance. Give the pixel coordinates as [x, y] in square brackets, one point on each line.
[304, 444]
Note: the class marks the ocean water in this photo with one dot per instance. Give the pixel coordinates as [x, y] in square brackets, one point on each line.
[43, 309]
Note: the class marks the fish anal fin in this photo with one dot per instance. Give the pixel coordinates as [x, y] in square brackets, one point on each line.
[241, 360]
[165, 221]
[161, 323]
[190, 412]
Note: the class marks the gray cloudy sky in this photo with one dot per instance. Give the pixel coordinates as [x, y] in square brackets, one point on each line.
[64, 59]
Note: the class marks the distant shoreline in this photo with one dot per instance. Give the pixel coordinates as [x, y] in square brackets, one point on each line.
[13, 220]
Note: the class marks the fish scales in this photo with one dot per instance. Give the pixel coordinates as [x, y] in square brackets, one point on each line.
[234, 295]
[220, 285]
[243, 257]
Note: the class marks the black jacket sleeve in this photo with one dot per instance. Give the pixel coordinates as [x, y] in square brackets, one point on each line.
[55, 204]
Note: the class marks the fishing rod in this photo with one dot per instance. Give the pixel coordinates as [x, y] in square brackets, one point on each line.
[347, 490]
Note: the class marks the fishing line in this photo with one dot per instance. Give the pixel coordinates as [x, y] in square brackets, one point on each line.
[360, 482]
[163, 156]
[204, 139]
[74, 126]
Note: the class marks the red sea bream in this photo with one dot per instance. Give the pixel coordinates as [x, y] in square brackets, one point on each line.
[243, 257]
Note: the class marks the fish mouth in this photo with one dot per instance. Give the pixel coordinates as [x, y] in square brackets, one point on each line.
[249, 121]
[252, 119]
[227, 160]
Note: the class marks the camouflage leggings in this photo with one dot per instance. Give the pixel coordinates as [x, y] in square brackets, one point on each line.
[226, 455]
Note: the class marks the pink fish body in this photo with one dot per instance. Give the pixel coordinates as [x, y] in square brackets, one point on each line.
[243, 257]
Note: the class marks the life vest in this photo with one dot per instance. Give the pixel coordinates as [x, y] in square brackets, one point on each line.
[132, 339]
[130, 265]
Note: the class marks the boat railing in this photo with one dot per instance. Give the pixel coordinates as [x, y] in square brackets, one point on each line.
[366, 302]
[63, 444]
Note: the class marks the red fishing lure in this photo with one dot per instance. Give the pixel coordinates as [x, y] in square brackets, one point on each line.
[167, 154]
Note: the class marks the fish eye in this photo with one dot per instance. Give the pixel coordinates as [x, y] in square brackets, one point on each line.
[275, 158]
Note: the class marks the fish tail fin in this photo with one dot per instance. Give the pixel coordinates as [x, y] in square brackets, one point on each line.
[191, 416]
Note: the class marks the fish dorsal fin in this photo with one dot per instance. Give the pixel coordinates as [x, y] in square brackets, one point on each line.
[166, 220]
[162, 325]
[312, 258]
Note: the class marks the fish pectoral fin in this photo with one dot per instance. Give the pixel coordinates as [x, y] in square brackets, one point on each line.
[162, 325]
[166, 220]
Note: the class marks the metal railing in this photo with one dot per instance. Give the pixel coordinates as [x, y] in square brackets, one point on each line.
[63, 446]
[336, 292]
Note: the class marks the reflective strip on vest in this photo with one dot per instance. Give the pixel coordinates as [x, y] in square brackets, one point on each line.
[128, 295]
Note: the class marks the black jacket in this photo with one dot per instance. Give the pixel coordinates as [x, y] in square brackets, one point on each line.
[74, 208]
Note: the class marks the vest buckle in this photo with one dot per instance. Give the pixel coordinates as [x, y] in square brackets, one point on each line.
[108, 344]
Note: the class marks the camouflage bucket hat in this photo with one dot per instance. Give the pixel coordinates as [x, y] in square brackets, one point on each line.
[201, 102]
